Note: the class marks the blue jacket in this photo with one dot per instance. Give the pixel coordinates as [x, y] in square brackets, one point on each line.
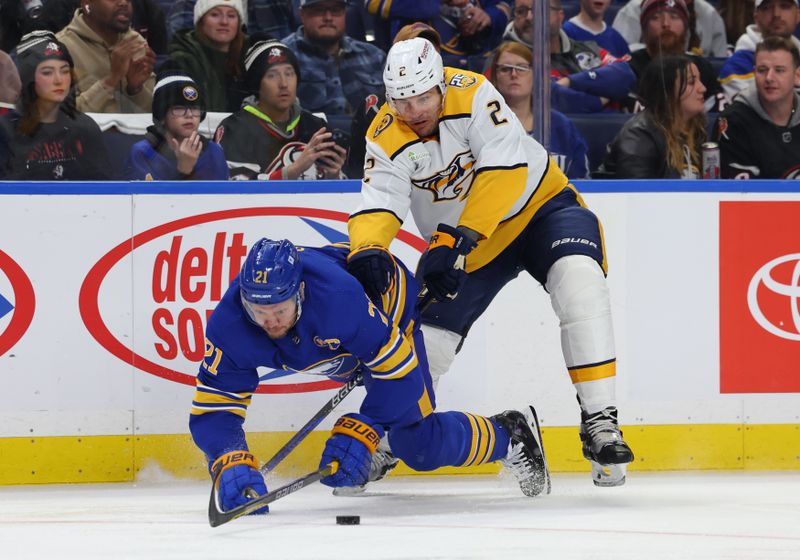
[152, 159]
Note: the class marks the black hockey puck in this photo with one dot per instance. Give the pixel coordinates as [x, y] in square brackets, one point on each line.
[348, 520]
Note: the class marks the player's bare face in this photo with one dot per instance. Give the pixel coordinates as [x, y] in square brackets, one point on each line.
[275, 319]
[421, 112]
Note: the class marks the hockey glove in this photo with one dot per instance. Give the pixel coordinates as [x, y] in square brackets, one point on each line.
[236, 476]
[442, 265]
[353, 440]
[373, 266]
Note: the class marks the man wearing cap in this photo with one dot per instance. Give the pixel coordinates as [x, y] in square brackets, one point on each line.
[338, 71]
[708, 25]
[772, 18]
[173, 148]
[113, 64]
[274, 138]
[665, 25]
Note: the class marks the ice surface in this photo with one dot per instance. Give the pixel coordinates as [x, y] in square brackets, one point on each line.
[655, 516]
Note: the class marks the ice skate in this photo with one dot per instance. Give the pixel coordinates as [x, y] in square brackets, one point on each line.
[525, 457]
[383, 462]
[604, 447]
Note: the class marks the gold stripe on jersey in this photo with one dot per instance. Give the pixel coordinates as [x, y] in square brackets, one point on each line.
[373, 227]
[394, 300]
[483, 438]
[379, 8]
[593, 372]
[208, 399]
[494, 192]
[395, 359]
[424, 403]
[553, 182]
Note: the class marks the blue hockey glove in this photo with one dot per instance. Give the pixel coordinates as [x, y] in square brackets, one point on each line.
[235, 473]
[353, 440]
[442, 265]
[373, 266]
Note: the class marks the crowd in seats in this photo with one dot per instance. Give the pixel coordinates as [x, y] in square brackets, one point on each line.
[601, 52]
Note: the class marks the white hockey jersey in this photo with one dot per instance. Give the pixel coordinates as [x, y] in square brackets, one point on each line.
[481, 171]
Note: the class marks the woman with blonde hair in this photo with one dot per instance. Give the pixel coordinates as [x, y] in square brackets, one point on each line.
[510, 71]
[663, 141]
[212, 53]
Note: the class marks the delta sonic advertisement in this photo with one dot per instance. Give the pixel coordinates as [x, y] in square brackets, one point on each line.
[181, 264]
[17, 303]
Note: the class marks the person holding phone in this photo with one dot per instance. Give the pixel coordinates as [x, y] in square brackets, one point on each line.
[274, 138]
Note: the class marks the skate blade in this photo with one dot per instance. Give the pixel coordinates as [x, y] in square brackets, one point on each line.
[608, 476]
[346, 491]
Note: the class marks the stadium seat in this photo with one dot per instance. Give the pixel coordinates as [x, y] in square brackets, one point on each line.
[598, 129]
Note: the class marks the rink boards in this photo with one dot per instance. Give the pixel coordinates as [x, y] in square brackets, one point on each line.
[105, 290]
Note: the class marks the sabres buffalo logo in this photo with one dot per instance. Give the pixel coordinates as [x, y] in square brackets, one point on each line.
[190, 93]
[452, 182]
[330, 343]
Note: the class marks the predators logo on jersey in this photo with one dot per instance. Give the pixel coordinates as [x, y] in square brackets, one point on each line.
[453, 181]
[385, 122]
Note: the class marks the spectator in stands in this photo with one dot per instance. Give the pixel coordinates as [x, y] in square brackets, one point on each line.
[274, 138]
[173, 147]
[589, 25]
[664, 140]
[338, 71]
[10, 85]
[374, 101]
[469, 29]
[587, 77]
[512, 76]
[664, 31]
[759, 134]
[773, 18]
[48, 139]
[114, 65]
[737, 15]
[18, 17]
[704, 22]
[264, 19]
[212, 53]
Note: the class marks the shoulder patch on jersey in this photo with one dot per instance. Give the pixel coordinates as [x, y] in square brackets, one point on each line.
[458, 98]
[383, 125]
[462, 81]
[371, 101]
[220, 133]
[723, 127]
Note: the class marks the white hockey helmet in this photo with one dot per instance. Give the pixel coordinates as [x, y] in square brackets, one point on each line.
[412, 67]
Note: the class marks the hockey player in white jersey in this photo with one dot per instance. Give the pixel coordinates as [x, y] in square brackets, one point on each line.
[491, 203]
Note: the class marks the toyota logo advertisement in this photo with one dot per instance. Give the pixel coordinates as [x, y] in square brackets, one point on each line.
[759, 297]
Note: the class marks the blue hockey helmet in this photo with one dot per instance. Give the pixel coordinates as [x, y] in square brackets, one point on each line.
[271, 273]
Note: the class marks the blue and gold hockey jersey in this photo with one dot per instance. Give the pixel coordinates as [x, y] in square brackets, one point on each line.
[340, 332]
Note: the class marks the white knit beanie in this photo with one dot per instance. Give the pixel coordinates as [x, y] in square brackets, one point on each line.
[203, 6]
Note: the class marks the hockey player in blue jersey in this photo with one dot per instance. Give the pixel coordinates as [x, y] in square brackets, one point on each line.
[298, 309]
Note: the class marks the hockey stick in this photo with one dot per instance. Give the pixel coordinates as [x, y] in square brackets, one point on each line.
[289, 446]
[217, 517]
[214, 512]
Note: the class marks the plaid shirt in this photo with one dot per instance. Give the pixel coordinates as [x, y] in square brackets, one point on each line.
[265, 18]
[336, 85]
